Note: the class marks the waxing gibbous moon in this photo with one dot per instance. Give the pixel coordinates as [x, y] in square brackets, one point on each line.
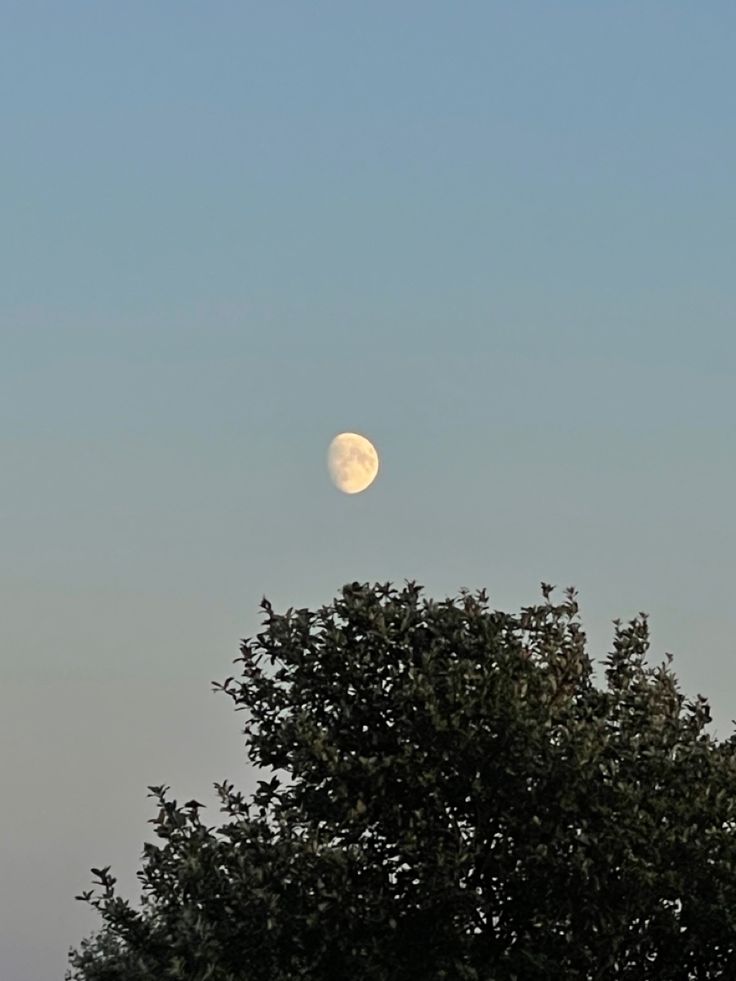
[353, 462]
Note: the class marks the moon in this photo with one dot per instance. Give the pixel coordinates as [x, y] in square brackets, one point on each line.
[353, 462]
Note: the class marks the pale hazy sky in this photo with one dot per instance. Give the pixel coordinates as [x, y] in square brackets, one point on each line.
[496, 238]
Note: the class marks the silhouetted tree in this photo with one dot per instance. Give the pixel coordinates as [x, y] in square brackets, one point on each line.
[452, 797]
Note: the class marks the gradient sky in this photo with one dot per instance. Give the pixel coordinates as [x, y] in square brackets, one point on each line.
[496, 238]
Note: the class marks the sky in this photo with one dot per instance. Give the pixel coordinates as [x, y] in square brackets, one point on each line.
[497, 239]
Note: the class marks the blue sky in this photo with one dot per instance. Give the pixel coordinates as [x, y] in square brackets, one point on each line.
[497, 238]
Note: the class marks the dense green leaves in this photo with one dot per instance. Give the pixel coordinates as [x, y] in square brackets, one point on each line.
[451, 796]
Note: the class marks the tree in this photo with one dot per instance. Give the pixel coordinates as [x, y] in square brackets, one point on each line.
[452, 797]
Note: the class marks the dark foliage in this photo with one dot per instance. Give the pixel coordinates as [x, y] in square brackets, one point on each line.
[453, 798]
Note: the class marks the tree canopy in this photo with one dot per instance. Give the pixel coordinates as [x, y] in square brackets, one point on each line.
[447, 794]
